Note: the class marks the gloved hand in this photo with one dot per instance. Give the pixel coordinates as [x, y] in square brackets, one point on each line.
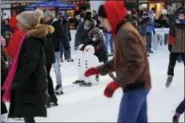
[170, 47]
[91, 71]
[110, 89]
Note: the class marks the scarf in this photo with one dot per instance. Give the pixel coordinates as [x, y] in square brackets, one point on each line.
[11, 74]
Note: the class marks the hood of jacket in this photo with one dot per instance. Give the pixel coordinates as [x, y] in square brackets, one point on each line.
[116, 12]
[41, 31]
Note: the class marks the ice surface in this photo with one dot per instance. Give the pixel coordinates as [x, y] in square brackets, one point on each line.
[79, 104]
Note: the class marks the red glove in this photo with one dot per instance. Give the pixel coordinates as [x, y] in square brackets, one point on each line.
[91, 71]
[110, 89]
[81, 49]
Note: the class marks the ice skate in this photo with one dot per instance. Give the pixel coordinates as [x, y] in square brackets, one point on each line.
[59, 90]
[4, 118]
[150, 51]
[53, 100]
[78, 82]
[70, 60]
[169, 81]
[84, 84]
[175, 119]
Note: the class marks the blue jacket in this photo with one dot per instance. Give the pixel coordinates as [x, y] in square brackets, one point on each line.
[150, 28]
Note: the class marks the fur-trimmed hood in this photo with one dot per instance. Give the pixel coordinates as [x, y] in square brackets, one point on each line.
[40, 31]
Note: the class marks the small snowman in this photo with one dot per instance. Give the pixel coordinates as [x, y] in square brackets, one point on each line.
[86, 60]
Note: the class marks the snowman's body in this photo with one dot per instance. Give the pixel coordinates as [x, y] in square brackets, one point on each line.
[87, 60]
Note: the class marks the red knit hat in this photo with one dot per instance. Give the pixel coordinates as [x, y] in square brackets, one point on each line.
[116, 12]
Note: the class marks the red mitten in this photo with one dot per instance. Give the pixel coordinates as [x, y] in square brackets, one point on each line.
[91, 71]
[110, 89]
[82, 49]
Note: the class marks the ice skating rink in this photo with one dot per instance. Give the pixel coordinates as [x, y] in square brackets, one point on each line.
[88, 104]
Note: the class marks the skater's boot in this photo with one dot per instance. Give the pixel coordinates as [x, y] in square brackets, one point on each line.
[59, 90]
[70, 60]
[175, 118]
[148, 54]
[169, 80]
[97, 78]
[150, 51]
[78, 82]
[86, 84]
[53, 100]
[4, 118]
[48, 102]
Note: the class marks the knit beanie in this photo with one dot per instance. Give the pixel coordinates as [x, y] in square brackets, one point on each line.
[182, 11]
[30, 19]
[49, 13]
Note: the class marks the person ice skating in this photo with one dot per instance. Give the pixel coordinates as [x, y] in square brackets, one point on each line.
[130, 64]
[179, 112]
[63, 50]
[29, 86]
[150, 31]
[50, 59]
[57, 37]
[4, 69]
[82, 32]
[176, 44]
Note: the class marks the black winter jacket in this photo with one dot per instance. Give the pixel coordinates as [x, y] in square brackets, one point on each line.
[29, 89]
[58, 35]
[82, 36]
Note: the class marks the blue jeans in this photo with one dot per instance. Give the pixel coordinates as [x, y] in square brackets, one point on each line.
[109, 42]
[65, 52]
[56, 66]
[133, 107]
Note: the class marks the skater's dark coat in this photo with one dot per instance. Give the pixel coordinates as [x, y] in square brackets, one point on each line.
[48, 47]
[4, 69]
[58, 35]
[29, 88]
[82, 36]
[130, 61]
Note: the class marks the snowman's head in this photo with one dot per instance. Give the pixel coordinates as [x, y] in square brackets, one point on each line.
[89, 49]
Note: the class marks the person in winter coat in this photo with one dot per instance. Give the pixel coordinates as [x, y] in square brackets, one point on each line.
[82, 33]
[97, 42]
[176, 44]
[29, 88]
[143, 28]
[6, 30]
[5, 27]
[4, 69]
[130, 64]
[179, 111]
[150, 31]
[63, 51]
[57, 37]
[50, 59]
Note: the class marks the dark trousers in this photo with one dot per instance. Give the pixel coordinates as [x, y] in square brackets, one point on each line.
[180, 108]
[172, 63]
[65, 50]
[3, 105]
[50, 81]
[29, 120]
[133, 107]
[149, 41]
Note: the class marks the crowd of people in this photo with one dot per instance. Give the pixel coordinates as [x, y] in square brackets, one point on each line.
[41, 40]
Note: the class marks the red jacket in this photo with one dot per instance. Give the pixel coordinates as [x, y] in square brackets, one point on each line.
[14, 43]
